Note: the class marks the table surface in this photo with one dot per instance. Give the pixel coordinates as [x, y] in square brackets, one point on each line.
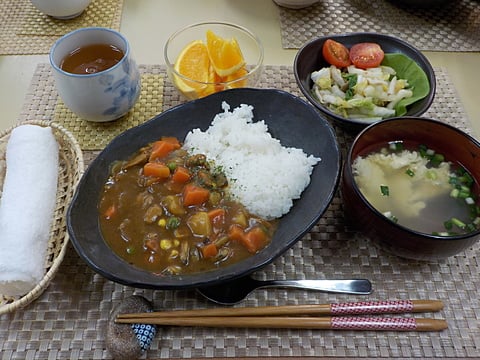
[147, 24]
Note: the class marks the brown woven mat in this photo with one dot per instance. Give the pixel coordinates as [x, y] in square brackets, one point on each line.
[452, 27]
[69, 320]
[25, 31]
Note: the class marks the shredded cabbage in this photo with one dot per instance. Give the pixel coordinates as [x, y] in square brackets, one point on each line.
[368, 95]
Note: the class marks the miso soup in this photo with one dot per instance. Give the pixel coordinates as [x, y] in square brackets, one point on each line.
[419, 188]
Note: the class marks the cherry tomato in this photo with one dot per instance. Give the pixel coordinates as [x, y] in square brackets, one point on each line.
[335, 53]
[366, 55]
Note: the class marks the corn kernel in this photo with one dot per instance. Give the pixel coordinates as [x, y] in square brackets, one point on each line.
[162, 222]
[173, 254]
[165, 244]
[176, 243]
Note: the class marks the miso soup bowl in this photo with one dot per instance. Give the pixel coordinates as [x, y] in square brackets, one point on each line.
[456, 145]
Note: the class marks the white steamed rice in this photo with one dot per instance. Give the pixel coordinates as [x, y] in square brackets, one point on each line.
[263, 175]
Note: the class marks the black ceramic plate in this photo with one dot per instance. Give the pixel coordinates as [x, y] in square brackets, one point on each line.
[290, 119]
[309, 59]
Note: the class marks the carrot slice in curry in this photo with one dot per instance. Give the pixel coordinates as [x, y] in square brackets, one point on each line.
[158, 170]
[209, 250]
[162, 148]
[235, 232]
[217, 215]
[181, 175]
[194, 195]
[254, 239]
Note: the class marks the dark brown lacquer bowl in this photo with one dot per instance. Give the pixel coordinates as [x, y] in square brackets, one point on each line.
[457, 147]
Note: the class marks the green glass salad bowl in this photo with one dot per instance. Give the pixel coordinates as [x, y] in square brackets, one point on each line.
[408, 62]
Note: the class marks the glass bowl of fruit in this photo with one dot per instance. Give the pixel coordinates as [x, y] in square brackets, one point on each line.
[208, 57]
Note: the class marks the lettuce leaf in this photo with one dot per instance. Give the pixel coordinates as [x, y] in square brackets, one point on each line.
[408, 69]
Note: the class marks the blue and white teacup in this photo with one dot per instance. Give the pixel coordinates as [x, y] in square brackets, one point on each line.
[101, 96]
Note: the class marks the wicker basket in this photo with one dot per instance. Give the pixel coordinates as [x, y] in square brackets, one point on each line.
[71, 166]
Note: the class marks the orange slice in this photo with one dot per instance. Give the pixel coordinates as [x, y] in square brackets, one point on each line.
[237, 75]
[214, 83]
[225, 54]
[194, 63]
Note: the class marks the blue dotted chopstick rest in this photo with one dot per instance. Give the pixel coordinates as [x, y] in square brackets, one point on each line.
[129, 341]
[145, 334]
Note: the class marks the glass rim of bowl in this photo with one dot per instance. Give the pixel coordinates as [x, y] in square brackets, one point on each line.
[256, 67]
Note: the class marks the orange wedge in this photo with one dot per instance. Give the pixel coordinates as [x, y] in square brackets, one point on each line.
[225, 54]
[237, 75]
[214, 83]
[194, 63]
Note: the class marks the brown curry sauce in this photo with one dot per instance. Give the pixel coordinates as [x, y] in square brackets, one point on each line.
[169, 212]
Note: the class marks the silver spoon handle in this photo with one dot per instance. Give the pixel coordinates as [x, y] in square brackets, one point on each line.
[354, 286]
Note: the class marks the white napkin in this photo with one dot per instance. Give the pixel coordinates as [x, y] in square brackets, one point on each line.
[26, 207]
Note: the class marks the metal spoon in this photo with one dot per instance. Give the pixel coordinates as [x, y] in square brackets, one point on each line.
[235, 291]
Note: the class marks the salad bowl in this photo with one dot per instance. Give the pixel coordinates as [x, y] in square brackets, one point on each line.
[408, 62]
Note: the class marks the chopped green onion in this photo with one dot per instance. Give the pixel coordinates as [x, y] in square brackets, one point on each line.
[431, 174]
[131, 250]
[442, 233]
[454, 193]
[470, 227]
[469, 200]
[422, 149]
[395, 145]
[448, 224]
[410, 172]
[384, 189]
[467, 179]
[390, 216]
[474, 211]
[463, 194]
[454, 180]
[458, 223]
[437, 159]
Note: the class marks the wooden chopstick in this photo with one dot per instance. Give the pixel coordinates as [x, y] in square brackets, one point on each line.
[294, 316]
[301, 322]
[348, 308]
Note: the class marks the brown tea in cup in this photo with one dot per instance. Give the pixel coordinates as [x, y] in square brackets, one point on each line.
[90, 59]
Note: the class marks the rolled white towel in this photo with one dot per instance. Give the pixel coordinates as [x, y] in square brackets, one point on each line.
[26, 207]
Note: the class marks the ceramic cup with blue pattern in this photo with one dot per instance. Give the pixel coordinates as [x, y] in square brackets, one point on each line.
[101, 96]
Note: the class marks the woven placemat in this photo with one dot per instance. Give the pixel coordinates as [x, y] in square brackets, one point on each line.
[94, 135]
[69, 320]
[454, 26]
[25, 31]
